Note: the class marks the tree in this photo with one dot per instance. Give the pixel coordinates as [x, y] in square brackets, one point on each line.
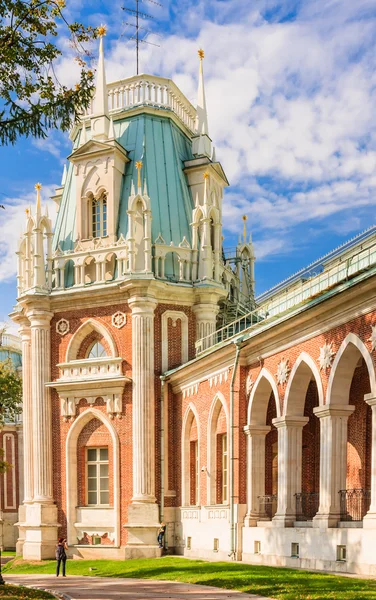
[10, 399]
[32, 99]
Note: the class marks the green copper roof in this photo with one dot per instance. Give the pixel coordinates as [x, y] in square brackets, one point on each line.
[163, 148]
[15, 357]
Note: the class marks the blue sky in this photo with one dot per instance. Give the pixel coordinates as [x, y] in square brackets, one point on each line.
[291, 94]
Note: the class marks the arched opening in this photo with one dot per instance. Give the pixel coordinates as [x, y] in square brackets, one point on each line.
[99, 216]
[262, 449]
[303, 395]
[92, 476]
[218, 452]
[352, 377]
[96, 350]
[190, 458]
[171, 266]
[90, 270]
[91, 331]
[110, 264]
[69, 274]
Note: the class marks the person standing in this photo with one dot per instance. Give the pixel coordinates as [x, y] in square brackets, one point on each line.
[61, 556]
[161, 532]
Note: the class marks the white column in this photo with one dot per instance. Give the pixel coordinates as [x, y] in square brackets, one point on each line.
[333, 461]
[369, 521]
[42, 421]
[27, 411]
[255, 471]
[289, 467]
[206, 320]
[143, 404]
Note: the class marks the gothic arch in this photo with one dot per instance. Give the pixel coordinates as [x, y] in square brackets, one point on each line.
[217, 404]
[259, 398]
[71, 470]
[342, 371]
[82, 332]
[297, 386]
[190, 415]
[132, 205]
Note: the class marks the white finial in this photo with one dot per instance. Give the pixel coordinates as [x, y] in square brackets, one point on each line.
[64, 176]
[202, 117]
[145, 188]
[214, 156]
[100, 97]
[46, 211]
[133, 192]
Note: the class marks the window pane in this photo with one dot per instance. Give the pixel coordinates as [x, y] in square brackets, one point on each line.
[92, 454]
[92, 498]
[92, 485]
[97, 351]
[104, 470]
[103, 454]
[105, 498]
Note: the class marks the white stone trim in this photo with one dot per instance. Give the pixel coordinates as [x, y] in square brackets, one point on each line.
[71, 471]
[82, 332]
[175, 315]
[218, 399]
[185, 472]
[304, 357]
[344, 373]
[263, 387]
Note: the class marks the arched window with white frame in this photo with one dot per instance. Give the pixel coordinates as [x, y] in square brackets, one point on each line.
[99, 216]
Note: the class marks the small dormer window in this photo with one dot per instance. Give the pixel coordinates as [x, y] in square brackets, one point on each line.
[99, 216]
[97, 350]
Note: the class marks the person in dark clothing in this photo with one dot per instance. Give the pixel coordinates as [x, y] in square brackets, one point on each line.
[161, 532]
[61, 556]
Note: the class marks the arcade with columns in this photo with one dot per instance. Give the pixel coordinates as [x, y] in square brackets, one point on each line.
[157, 388]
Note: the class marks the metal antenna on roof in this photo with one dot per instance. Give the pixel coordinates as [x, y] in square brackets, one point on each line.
[136, 36]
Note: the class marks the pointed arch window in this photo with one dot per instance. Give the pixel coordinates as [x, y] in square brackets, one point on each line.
[99, 216]
[97, 350]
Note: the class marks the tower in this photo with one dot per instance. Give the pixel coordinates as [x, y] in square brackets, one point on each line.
[133, 277]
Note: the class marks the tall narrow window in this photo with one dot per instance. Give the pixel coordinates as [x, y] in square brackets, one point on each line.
[99, 216]
[194, 473]
[98, 493]
[224, 469]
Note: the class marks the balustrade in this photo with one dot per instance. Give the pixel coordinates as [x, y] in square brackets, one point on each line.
[268, 505]
[354, 504]
[307, 505]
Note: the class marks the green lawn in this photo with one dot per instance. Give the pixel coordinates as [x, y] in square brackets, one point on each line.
[13, 592]
[284, 584]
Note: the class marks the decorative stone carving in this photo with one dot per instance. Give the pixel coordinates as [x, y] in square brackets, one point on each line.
[283, 371]
[119, 319]
[113, 405]
[372, 339]
[62, 327]
[326, 356]
[68, 408]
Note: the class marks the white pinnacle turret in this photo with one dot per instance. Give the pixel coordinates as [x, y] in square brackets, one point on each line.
[201, 144]
[101, 120]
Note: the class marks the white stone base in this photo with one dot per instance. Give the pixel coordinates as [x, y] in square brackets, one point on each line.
[143, 525]
[38, 530]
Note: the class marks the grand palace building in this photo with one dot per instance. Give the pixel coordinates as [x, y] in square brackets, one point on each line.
[156, 387]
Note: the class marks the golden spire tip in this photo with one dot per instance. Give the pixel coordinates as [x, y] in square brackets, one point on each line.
[102, 30]
[139, 167]
[201, 53]
[206, 175]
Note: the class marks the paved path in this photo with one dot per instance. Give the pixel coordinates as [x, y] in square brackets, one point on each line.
[108, 588]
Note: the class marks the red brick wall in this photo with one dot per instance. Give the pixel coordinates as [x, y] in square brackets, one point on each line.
[359, 432]
[311, 443]
[270, 440]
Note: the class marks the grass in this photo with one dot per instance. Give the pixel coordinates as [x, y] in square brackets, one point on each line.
[283, 584]
[8, 553]
[13, 592]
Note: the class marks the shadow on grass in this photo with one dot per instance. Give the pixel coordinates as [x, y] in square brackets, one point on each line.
[280, 583]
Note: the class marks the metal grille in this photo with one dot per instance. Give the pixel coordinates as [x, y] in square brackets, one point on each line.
[307, 505]
[354, 504]
[268, 505]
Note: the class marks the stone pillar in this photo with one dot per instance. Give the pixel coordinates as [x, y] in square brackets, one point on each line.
[369, 521]
[143, 512]
[40, 515]
[289, 467]
[255, 472]
[333, 461]
[25, 334]
[206, 320]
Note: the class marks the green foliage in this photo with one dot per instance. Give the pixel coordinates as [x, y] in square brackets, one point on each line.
[12, 592]
[283, 584]
[10, 398]
[33, 100]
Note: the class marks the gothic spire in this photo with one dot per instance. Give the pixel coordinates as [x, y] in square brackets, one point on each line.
[101, 112]
[202, 116]
[201, 143]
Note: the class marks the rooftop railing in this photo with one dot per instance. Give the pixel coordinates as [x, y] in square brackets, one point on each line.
[288, 299]
[10, 341]
[147, 90]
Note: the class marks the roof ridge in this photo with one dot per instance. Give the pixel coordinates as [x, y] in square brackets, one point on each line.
[291, 278]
